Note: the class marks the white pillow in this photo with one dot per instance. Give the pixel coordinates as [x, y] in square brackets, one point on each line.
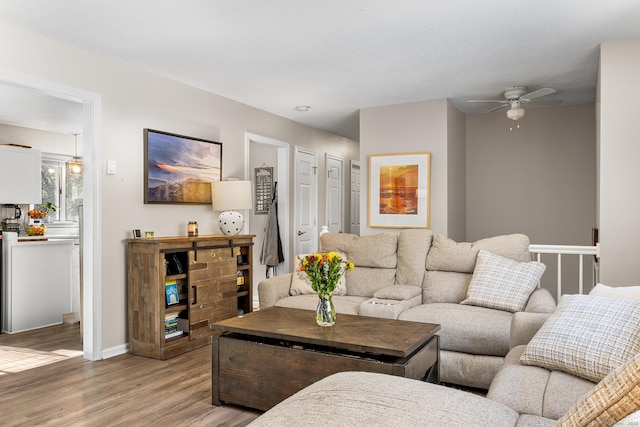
[502, 283]
[587, 336]
[629, 292]
[301, 285]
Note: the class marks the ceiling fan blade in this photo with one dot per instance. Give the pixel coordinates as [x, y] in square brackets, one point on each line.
[500, 107]
[537, 93]
[487, 100]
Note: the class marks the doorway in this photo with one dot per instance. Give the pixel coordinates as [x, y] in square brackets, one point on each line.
[334, 197]
[264, 151]
[90, 231]
[306, 201]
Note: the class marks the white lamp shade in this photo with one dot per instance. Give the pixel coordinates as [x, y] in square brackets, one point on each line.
[231, 195]
[228, 196]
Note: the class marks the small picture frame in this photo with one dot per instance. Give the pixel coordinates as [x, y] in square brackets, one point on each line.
[137, 234]
[171, 289]
[148, 234]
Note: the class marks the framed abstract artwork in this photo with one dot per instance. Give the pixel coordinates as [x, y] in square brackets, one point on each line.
[399, 190]
[180, 169]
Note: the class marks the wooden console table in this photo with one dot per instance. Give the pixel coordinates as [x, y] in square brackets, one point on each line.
[212, 276]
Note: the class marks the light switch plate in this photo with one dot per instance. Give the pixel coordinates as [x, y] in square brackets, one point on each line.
[111, 167]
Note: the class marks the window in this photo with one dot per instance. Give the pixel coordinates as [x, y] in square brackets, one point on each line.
[62, 188]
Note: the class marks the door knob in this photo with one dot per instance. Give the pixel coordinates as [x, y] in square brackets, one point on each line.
[300, 233]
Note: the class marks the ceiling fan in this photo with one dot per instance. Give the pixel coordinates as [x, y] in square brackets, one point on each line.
[515, 98]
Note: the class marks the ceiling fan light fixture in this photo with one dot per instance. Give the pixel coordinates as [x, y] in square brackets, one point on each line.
[515, 113]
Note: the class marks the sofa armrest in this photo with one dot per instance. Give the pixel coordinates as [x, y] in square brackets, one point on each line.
[524, 326]
[273, 289]
[398, 292]
[541, 301]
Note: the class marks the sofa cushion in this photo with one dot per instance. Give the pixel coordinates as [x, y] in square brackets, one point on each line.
[447, 255]
[375, 259]
[343, 304]
[398, 292]
[413, 246]
[502, 283]
[629, 292]
[378, 250]
[445, 286]
[613, 399]
[535, 390]
[587, 336]
[466, 328]
[387, 308]
[371, 399]
[470, 370]
[301, 285]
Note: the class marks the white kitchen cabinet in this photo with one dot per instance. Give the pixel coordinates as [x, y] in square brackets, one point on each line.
[20, 180]
[36, 285]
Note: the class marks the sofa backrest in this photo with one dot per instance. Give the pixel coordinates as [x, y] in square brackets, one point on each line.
[449, 264]
[413, 247]
[375, 258]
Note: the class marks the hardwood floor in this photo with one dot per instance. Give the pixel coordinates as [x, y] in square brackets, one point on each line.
[45, 380]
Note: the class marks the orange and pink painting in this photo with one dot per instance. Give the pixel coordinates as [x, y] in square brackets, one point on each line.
[398, 190]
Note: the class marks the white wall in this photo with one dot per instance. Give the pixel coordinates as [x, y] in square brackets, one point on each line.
[47, 142]
[133, 99]
[412, 127]
[619, 204]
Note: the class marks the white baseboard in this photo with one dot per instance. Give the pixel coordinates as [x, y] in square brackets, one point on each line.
[115, 351]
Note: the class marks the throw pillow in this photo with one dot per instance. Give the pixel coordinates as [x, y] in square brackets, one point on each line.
[502, 283]
[301, 285]
[612, 400]
[630, 292]
[587, 336]
[398, 292]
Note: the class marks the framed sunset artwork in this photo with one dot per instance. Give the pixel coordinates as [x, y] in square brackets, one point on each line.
[180, 169]
[399, 190]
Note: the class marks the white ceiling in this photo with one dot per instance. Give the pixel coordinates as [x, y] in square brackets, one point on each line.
[338, 56]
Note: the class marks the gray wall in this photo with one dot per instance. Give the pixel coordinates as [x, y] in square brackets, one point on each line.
[538, 179]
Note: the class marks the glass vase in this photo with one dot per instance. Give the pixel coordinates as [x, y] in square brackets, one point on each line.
[325, 312]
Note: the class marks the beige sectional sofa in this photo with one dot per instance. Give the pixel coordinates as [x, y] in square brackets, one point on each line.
[583, 332]
[417, 276]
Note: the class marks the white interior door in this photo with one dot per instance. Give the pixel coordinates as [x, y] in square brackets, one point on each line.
[305, 201]
[354, 198]
[335, 196]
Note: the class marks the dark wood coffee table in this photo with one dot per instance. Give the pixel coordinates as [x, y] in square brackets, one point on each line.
[263, 357]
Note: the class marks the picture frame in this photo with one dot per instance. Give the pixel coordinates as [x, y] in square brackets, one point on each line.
[137, 234]
[399, 190]
[171, 290]
[179, 169]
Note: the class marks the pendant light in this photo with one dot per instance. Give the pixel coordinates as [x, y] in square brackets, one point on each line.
[75, 165]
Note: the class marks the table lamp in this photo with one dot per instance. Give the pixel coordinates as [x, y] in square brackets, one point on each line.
[230, 196]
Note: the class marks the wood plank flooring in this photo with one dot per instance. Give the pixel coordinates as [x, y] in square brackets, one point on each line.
[52, 384]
